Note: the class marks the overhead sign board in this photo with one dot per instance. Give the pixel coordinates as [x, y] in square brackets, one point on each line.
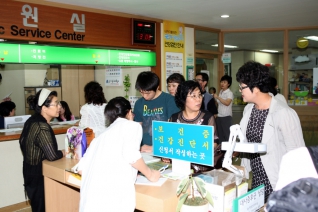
[188, 142]
[38, 54]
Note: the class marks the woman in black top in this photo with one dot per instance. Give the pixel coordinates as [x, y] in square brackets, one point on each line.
[38, 143]
[189, 99]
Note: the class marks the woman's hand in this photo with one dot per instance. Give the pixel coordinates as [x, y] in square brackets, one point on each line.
[154, 176]
[146, 148]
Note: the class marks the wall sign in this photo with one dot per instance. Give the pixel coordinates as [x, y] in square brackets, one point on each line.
[37, 54]
[188, 142]
[143, 32]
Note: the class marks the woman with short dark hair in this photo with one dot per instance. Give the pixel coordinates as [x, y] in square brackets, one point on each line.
[7, 108]
[266, 120]
[38, 143]
[189, 99]
[173, 81]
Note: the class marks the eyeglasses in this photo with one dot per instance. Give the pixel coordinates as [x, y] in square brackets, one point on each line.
[145, 92]
[198, 80]
[58, 103]
[242, 88]
[193, 96]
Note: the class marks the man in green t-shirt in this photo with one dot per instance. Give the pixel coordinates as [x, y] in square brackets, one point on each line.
[154, 105]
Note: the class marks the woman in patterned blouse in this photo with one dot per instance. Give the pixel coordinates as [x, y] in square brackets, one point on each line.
[189, 99]
[266, 120]
[38, 143]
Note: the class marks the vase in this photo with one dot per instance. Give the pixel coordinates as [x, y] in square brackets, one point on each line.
[191, 208]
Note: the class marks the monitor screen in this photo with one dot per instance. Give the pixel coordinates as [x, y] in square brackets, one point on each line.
[15, 121]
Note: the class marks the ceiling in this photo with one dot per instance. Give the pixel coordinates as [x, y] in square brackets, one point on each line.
[244, 15]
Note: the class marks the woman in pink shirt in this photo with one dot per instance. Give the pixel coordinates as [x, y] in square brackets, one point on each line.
[65, 112]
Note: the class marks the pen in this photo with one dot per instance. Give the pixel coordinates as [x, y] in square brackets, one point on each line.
[162, 169]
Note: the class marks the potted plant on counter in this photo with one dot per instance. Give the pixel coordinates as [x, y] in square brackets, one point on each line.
[193, 199]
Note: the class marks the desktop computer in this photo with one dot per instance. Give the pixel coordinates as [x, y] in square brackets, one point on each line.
[15, 121]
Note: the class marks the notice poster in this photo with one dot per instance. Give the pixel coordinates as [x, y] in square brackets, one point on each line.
[113, 76]
[174, 63]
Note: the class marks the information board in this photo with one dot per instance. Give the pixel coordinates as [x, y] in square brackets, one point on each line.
[39, 54]
[251, 201]
[187, 142]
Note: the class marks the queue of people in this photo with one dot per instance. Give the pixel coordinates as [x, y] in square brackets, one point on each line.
[188, 102]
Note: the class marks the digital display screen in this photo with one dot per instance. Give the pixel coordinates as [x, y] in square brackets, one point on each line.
[144, 32]
[38, 54]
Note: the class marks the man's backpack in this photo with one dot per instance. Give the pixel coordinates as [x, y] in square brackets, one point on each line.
[298, 196]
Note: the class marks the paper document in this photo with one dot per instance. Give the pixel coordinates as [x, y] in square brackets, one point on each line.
[75, 179]
[7, 96]
[149, 158]
[141, 180]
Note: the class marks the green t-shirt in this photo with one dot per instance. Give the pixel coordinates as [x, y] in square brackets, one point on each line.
[158, 109]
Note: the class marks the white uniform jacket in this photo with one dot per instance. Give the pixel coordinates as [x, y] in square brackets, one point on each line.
[282, 133]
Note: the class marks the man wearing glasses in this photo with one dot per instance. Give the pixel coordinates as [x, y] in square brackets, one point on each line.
[154, 105]
[208, 100]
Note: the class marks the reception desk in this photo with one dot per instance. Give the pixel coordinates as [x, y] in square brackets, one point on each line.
[63, 196]
[11, 178]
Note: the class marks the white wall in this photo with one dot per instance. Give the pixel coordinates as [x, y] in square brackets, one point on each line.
[35, 74]
[13, 81]
[11, 177]
[113, 91]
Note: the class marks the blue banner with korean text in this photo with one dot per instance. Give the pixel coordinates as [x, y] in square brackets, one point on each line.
[188, 142]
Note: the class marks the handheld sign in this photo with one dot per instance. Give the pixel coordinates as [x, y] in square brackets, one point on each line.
[187, 142]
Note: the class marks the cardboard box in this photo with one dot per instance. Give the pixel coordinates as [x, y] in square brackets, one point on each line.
[221, 185]
[52, 74]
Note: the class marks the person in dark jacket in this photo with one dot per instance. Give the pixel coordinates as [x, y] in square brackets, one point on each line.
[208, 100]
[38, 143]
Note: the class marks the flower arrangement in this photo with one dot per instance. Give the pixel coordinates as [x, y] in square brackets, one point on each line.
[188, 198]
[74, 137]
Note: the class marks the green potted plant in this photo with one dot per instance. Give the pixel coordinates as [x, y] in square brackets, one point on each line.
[126, 85]
[190, 202]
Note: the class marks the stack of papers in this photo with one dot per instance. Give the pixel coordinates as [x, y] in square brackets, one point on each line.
[149, 158]
[141, 180]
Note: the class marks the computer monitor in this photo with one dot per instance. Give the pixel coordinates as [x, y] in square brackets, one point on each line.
[15, 121]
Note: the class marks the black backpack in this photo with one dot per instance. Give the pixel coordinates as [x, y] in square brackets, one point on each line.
[298, 196]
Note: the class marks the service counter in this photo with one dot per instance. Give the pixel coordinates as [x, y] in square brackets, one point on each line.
[11, 178]
[63, 196]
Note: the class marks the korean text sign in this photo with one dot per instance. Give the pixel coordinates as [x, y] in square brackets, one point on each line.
[188, 142]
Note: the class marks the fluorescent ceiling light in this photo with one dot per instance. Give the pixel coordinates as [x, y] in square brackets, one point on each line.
[32, 42]
[225, 16]
[315, 38]
[267, 50]
[2, 40]
[226, 46]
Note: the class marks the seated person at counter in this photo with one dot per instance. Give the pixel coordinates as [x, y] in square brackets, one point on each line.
[189, 99]
[109, 167]
[92, 113]
[265, 120]
[154, 105]
[38, 143]
[7, 108]
[65, 112]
